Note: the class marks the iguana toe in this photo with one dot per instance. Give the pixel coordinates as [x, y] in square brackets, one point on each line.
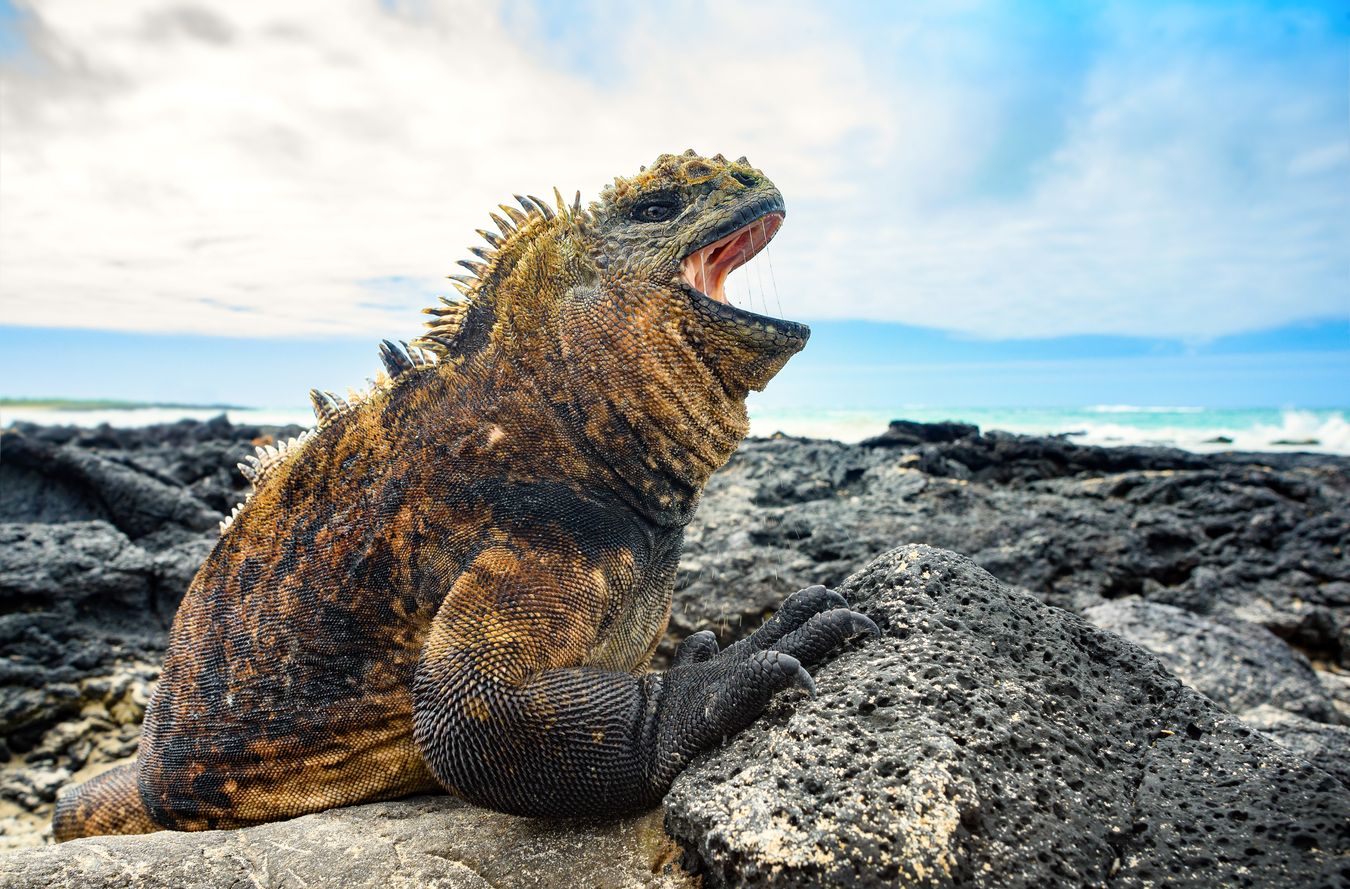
[696, 649]
[708, 695]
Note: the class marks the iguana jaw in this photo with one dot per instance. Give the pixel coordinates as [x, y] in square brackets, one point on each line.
[705, 268]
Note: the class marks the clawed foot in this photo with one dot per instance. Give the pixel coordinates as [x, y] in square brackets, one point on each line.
[709, 694]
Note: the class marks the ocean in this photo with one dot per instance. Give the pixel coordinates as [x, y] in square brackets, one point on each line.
[1198, 429]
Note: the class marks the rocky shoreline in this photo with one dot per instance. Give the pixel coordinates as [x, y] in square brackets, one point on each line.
[1232, 569]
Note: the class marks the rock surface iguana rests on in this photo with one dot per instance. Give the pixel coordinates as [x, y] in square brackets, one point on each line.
[460, 578]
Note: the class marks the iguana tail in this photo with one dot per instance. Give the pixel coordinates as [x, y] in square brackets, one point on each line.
[106, 804]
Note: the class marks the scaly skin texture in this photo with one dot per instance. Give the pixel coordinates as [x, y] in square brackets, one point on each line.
[460, 579]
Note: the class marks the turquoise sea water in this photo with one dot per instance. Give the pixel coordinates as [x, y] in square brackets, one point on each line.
[1191, 427]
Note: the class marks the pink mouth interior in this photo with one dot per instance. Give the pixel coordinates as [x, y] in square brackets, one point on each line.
[706, 269]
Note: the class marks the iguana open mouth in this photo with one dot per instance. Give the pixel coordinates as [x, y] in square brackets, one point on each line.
[707, 267]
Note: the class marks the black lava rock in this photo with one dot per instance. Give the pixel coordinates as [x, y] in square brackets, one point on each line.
[908, 432]
[990, 740]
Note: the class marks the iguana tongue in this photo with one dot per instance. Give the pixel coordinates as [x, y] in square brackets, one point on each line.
[706, 269]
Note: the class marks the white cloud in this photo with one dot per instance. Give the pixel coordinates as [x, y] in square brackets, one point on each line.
[313, 168]
[1200, 189]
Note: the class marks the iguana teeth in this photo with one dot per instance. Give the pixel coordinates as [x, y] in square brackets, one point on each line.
[513, 214]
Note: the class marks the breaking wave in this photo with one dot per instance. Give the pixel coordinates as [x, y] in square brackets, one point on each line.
[1195, 429]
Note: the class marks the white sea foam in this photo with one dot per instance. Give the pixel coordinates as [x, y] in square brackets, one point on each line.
[145, 416]
[1136, 409]
[1200, 430]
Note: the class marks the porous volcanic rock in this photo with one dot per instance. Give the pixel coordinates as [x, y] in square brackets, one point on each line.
[908, 432]
[1259, 537]
[431, 841]
[101, 530]
[987, 739]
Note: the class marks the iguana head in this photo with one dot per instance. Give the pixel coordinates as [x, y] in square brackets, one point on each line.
[619, 312]
[683, 225]
[667, 237]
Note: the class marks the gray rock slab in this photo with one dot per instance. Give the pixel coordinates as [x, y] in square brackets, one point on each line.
[432, 841]
[1237, 664]
[1325, 746]
[990, 740]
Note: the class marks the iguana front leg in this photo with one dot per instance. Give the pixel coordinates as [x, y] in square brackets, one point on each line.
[709, 694]
[508, 714]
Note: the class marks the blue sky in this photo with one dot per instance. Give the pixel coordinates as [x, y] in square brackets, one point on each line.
[989, 203]
[848, 364]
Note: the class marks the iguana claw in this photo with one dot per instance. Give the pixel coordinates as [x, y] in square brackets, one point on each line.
[708, 694]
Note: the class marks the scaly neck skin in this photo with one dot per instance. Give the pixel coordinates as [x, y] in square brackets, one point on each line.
[643, 399]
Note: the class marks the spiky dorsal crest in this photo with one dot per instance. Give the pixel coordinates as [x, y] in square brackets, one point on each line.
[259, 466]
[445, 331]
[440, 343]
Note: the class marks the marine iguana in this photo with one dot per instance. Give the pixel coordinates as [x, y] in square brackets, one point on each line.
[459, 579]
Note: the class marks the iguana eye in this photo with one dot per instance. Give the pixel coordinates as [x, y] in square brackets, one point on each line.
[657, 208]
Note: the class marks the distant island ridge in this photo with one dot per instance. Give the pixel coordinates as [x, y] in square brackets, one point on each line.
[109, 404]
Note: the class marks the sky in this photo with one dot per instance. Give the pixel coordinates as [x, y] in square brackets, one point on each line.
[988, 203]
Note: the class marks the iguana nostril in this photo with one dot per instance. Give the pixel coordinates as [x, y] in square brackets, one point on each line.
[743, 178]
